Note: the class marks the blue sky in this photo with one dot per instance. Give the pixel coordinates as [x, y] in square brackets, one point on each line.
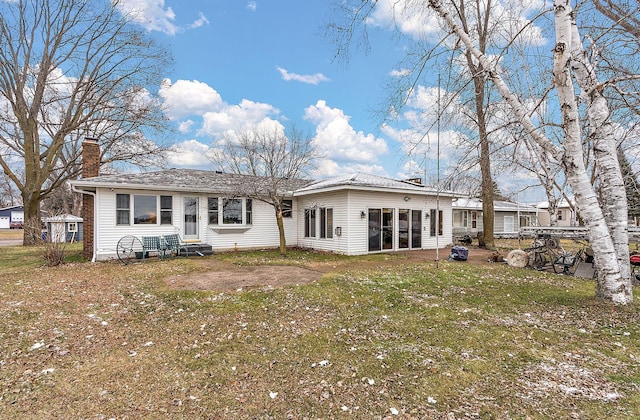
[243, 64]
[249, 61]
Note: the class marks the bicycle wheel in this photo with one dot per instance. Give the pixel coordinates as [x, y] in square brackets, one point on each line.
[129, 249]
[537, 259]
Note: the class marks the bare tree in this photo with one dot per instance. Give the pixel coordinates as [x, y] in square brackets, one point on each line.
[278, 159]
[69, 70]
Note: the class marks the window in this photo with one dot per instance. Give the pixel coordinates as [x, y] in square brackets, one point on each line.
[433, 221]
[460, 218]
[509, 224]
[310, 223]
[403, 228]
[248, 211]
[122, 209]
[213, 210]
[287, 208]
[72, 227]
[326, 223]
[235, 211]
[166, 209]
[145, 210]
[231, 211]
[559, 214]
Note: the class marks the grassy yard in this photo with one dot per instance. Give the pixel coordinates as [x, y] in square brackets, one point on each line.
[102, 340]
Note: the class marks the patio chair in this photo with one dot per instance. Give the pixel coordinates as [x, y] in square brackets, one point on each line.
[173, 243]
[155, 244]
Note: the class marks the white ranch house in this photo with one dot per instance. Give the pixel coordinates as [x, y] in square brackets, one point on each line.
[352, 214]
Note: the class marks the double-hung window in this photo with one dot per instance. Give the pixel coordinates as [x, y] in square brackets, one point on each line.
[166, 209]
[123, 209]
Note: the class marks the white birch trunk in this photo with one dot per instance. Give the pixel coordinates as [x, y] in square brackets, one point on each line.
[613, 193]
[611, 285]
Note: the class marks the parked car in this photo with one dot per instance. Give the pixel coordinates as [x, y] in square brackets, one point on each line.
[16, 225]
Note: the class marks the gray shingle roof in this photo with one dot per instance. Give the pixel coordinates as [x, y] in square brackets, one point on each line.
[367, 181]
[191, 180]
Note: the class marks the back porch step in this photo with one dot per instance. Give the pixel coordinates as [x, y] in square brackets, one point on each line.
[191, 250]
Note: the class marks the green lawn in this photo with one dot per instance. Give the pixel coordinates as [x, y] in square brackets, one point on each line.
[103, 340]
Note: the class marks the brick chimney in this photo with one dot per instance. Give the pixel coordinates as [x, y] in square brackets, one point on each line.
[90, 168]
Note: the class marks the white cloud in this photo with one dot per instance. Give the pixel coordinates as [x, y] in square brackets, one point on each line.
[247, 115]
[326, 168]
[399, 72]
[201, 21]
[153, 16]
[150, 14]
[252, 5]
[189, 153]
[185, 126]
[335, 138]
[189, 97]
[312, 79]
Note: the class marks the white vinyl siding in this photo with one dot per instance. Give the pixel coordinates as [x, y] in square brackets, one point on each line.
[346, 208]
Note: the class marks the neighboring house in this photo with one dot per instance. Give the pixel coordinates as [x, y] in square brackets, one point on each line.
[64, 228]
[354, 214]
[12, 217]
[508, 217]
[566, 214]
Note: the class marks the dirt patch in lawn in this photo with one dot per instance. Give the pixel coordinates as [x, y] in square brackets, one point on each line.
[222, 276]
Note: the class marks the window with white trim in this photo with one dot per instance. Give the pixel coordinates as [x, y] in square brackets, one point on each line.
[213, 210]
[229, 211]
[166, 209]
[144, 209]
[326, 223]
[123, 209]
[310, 223]
[287, 208]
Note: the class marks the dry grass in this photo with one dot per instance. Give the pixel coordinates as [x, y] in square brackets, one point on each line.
[11, 234]
[106, 341]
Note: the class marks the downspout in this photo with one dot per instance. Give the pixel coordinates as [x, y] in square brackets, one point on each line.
[95, 225]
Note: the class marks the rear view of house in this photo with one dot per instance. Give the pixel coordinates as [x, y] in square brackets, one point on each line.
[351, 214]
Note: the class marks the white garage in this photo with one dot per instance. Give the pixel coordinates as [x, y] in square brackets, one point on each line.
[4, 222]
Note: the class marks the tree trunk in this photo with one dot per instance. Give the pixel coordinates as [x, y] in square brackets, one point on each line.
[32, 234]
[279, 220]
[612, 190]
[611, 284]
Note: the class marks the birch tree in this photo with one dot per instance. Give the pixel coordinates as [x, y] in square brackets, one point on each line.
[279, 160]
[68, 70]
[607, 223]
